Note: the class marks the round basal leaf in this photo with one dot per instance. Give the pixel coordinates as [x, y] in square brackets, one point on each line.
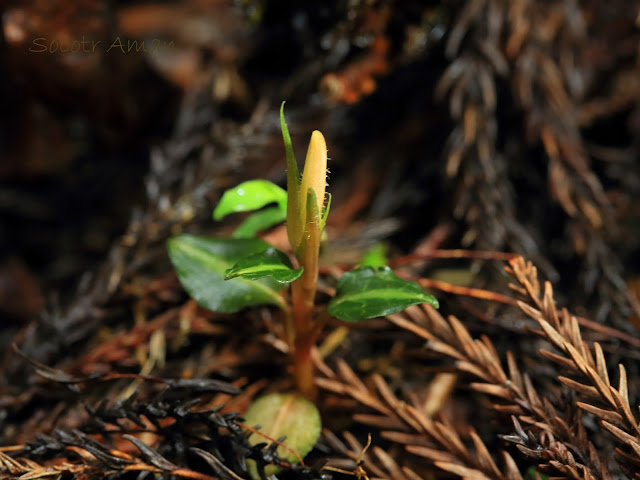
[270, 263]
[201, 262]
[368, 292]
[284, 415]
[260, 221]
[249, 196]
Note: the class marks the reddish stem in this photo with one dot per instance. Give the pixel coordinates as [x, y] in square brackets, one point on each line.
[306, 333]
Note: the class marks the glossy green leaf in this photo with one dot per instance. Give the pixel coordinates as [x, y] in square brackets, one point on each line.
[293, 174]
[375, 256]
[260, 221]
[270, 263]
[284, 415]
[201, 262]
[368, 292]
[249, 196]
[294, 209]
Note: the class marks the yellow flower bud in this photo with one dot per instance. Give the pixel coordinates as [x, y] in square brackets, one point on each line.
[315, 173]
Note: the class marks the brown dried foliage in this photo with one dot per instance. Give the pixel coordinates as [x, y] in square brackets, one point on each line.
[548, 432]
[25, 469]
[584, 366]
[513, 393]
[546, 55]
[478, 68]
[404, 423]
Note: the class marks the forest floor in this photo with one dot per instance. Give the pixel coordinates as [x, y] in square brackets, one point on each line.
[490, 146]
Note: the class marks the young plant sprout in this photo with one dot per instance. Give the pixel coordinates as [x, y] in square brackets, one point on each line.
[228, 274]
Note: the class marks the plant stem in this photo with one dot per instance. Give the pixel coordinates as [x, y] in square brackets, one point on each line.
[303, 369]
[289, 328]
[304, 209]
[303, 293]
[305, 338]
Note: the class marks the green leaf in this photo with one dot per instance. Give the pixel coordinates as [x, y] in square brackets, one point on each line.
[284, 415]
[249, 196]
[293, 174]
[368, 292]
[313, 215]
[270, 263]
[325, 213]
[294, 209]
[260, 221]
[375, 256]
[200, 263]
